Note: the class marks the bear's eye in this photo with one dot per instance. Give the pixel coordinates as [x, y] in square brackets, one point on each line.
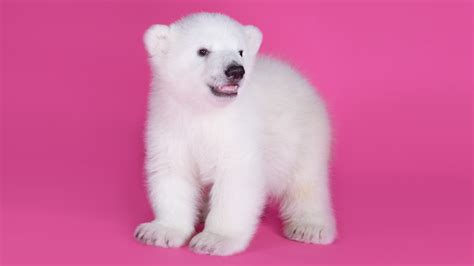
[241, 52]
[203, 52]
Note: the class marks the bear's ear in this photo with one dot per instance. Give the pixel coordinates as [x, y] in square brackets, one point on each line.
[156, 39]
[254, 38]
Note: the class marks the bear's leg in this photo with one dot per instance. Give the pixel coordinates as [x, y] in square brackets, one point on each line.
[236, 200]
[173, 194]
[306, 204]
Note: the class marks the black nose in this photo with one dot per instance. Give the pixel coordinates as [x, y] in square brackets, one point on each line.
[235, 72]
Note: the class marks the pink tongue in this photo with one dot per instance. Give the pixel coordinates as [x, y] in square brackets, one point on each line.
[229, 88]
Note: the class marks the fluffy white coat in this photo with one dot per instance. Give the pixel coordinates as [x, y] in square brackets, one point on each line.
[223, 156]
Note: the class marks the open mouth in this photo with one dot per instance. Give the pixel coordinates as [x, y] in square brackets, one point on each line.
[229, 90]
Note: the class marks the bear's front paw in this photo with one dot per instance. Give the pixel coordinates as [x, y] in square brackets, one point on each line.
[215, 244]
[153, 233]
[315, 233]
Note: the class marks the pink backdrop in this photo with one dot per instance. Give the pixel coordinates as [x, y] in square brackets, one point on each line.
[397, 78]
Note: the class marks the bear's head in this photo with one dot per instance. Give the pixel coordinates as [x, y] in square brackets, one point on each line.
[204, 58]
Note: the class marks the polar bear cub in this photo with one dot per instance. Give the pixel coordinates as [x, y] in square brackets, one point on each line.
[226, 129]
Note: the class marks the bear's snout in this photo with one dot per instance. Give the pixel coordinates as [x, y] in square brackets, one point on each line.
[235, 72]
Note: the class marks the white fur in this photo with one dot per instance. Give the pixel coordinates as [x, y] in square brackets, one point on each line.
[271, 139]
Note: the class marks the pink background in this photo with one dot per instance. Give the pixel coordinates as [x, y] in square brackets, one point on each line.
[397, 77]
